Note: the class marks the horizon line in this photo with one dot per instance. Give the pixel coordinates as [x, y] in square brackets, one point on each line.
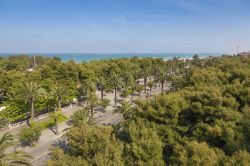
[20, 53]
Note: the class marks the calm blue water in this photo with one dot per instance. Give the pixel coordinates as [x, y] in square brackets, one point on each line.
[100, 56]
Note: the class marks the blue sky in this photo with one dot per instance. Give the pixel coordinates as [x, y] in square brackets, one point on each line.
[124, 26]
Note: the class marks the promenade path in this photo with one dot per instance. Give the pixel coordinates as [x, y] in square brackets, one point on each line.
[48, 138]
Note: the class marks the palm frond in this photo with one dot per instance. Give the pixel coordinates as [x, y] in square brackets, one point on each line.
[81, 117]
[14, 158]
[3, 123]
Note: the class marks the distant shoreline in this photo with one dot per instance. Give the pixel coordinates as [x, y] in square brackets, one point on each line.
[79, 57]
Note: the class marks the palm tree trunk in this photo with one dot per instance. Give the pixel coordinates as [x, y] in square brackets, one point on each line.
[102, 90]
[132, 93]
[145, 84]
[115, 96]
[56, 125]
[162, 86]
[49, 105]
[59, 104]
[32, 110]
[155, 81]
[92, 111]
[186, 72]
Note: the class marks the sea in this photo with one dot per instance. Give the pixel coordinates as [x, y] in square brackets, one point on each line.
[86, 57]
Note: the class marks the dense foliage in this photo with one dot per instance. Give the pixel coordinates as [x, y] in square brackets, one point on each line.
[29, 136]
[27, 90]
[203, 119]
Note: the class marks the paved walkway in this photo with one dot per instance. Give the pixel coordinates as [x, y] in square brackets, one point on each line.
[49, 139]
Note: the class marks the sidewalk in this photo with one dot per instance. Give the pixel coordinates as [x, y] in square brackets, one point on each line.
[48, 138]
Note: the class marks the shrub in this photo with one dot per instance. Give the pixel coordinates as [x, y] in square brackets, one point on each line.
[139, 88]
[79, 117]
[125, 93]
[50, 123]
[105, 103]
[150, 85]
[29, 136]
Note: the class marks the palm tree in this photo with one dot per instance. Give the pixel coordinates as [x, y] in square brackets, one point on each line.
[8, 157]
[55, 116]
[29, 91]
[102, 82]
[116, 82]
[155, 73]
[130, 80]
[139, 89]
[49, 100]
[145, 72]
[162, 77]
[125, 108]
[133, 88]
[59, 91]
[88, 86]
[92, 102]
[81, 117]
[150, 85]
[145, 78]
[127, 76]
